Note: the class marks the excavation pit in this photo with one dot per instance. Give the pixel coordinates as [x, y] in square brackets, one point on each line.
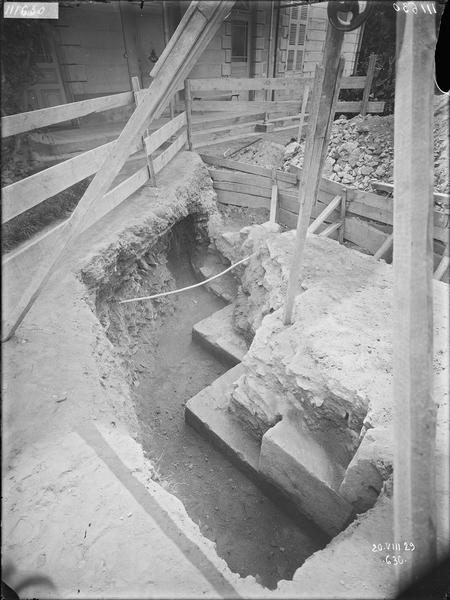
[167, 367]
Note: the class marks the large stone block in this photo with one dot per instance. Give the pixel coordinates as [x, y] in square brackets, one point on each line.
[298, 465]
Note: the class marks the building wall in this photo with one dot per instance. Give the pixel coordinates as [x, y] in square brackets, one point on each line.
[90, 40]
[91, 48]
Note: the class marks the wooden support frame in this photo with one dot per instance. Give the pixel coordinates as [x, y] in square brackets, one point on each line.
[337, 201]
[342, 215]
[303, 112]
[274, 198]
[331, 228]
[188, 109]
[384, 247]
[443, 264]
[135, 84]
[195, 31]
[414, 408]
[326, 91]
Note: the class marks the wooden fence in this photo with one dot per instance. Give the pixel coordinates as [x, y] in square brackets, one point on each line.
[159, 147]
[244, 115]
[366, 222]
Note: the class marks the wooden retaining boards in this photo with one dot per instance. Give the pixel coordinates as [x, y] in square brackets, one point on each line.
[208, 124]
[253, 190]
[248, 168]
[35, 119]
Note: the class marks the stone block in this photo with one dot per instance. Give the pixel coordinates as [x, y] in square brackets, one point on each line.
[296, 463]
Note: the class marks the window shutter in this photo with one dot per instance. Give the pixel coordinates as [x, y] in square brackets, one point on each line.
[297, 36]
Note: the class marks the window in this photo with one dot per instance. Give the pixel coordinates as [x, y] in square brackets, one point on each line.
[239, 41]
[298, 17]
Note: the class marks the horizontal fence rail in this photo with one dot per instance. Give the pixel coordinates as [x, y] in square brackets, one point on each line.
[35, 119]
[31, 191]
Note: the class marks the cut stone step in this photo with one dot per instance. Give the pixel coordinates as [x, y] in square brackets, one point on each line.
[216, 333]
[296, 463]
[208, 413]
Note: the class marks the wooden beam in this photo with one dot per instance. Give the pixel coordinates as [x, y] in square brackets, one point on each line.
[244, 106]
[389, 189]
[384, 247]
[324, 99]
[342, 215]
[273, 198]
[324, 214]
[151, 171]
[443, 265]
[303, 112]
[368, 86]
[331, 228]
[228, 163]
[414, 407]
[201, 21]
[188, 110]
[35, 119]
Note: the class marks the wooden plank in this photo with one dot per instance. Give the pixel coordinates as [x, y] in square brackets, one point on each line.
[389, 188]
[325, 214]
[238, 166]
[135, 84]
[250, 190]
[356, 107]
[26, 193]
[330, 229]
[273, 198]
[199, 126]
[343, 212]
[188, 111]
[18, 267]
[233, 84]
[303, 112]
[241, 199]
[368, 86]
[192, 39]
[384, 247]
[166, 131]
[220, 133]
[324, 99]
[244, 106]
[363, 234]
[443, 265]
[166, 156]
[353, 83]
[414, 406]
[35, 119]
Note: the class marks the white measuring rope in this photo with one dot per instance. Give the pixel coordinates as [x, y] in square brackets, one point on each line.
[190, 287]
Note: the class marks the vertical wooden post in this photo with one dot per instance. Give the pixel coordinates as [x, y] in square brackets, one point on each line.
[303, 111]
[443, 264]
[188, 108]
[151, 170]
[414, 408]
[326, 91]
[342, 215]
[165, 18]
[273, 198]
[368, 86]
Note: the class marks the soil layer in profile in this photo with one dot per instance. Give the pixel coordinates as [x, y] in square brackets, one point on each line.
[250, 532]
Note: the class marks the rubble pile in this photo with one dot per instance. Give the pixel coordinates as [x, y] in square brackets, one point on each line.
[361, 150]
